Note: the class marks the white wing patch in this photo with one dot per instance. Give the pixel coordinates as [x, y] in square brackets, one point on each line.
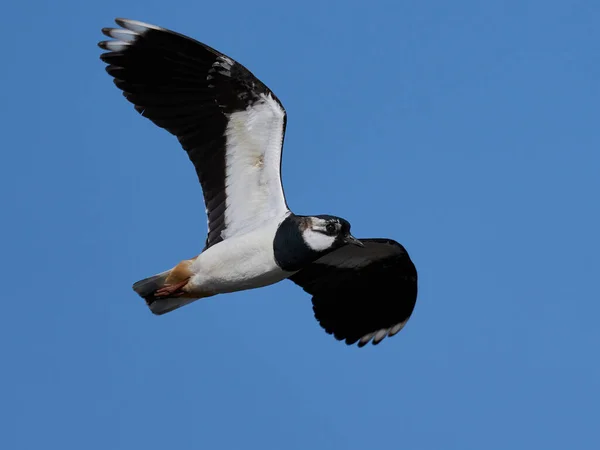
[253, 178]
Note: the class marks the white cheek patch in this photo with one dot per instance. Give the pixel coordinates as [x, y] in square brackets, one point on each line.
[317, 241]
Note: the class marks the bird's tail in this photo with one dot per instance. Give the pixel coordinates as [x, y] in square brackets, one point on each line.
[147, 288]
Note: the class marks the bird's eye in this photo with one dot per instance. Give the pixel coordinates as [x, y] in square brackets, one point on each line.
[330, 228]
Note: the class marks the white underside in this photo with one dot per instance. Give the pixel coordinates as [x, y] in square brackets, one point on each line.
[238, 263]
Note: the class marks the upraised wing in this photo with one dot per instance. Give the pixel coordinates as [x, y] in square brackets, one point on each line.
[362, 294]
[231, 125]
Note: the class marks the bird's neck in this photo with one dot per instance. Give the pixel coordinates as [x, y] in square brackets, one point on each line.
[291, 252]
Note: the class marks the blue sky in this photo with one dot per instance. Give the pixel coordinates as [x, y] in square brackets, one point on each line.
[467, 130]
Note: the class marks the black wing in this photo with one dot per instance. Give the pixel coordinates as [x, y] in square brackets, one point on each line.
[192, 91]
[361, 294]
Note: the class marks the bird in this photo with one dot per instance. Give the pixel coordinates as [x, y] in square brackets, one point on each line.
[232, 127]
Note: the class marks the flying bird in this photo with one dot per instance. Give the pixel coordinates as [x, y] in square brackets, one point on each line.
[232, 127]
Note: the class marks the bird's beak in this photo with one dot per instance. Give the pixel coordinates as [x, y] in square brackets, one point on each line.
[349, 239]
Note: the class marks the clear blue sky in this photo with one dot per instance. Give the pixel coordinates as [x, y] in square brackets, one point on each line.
[468, 131]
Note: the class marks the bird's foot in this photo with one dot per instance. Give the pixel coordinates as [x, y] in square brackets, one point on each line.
[171, 290]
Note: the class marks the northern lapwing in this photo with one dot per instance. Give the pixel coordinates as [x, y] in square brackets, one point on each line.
[232, 128]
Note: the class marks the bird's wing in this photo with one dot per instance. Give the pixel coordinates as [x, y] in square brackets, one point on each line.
[231, 125]
[361, 294]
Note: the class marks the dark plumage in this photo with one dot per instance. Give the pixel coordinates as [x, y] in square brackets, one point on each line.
[362, 293]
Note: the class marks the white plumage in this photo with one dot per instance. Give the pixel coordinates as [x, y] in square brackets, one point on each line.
[244, 261]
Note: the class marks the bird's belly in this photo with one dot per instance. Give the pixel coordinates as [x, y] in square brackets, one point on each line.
[236, 264]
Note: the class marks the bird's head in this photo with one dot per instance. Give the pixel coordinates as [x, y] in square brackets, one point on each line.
[301, 240]
[325, 233]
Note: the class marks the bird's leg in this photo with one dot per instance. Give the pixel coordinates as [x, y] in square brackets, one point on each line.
[171, 290]
[177, 279]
